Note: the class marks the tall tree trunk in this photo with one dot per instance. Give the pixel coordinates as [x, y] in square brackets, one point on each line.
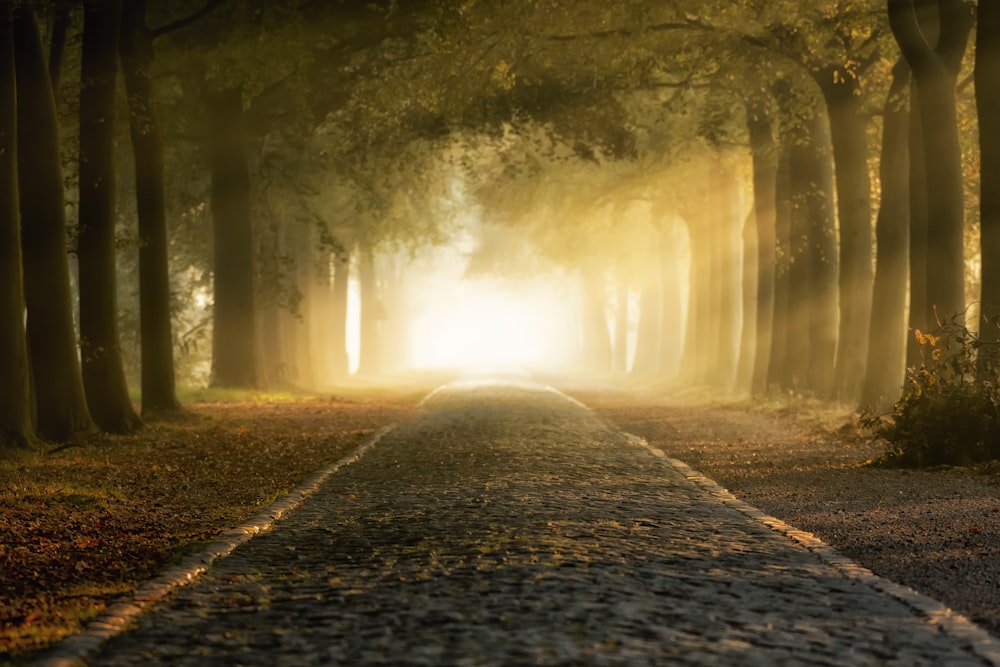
[987, 76]
[234, 355]
[798, 343]
[57, 43]
[395, 327]
[648, 341]
[595, 334]
[728, 250]
[694, 361]
[848, 132]
[58, 385]
[763, 153]
[935, 70]
[621, 329]
[812, 335]
[15, 386]
[778, 369]
[371, 314]
[823, 263]
[338, 325]
[320, 305]
[155, 328]
[671, 330]
[918, 319]
[887, 332]
[744, 370]
[100, 347]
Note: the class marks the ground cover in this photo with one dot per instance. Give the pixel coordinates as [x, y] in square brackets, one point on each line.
[82, 525]
[936, 530]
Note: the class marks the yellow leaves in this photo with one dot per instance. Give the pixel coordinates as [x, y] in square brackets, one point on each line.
[926, 339]
[503, 76]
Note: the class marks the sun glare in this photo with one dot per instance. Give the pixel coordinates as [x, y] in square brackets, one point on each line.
[474, 323]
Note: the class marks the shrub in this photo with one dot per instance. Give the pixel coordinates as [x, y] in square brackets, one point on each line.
[949, 410]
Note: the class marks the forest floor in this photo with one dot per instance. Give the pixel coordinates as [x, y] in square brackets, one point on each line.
[83, 526]
[934, 530]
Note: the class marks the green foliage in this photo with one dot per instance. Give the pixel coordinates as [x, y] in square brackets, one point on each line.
[949, 412]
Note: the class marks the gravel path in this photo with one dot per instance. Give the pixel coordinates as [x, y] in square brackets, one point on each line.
[507, 525]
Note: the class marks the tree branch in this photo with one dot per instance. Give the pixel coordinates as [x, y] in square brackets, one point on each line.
[906, 30]
[209, 7]
[957, 19]
[687, 24]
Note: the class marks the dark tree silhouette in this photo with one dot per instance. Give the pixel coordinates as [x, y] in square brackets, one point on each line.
[58, 387]
[100, 349]
[935, 65]
[234, 358]
[987, 77]
[15, 385]
[157, 373]
[887, 332]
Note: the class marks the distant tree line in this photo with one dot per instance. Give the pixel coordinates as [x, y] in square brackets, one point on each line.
[787, 188]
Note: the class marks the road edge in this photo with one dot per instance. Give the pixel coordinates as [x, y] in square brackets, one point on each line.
[953, 624]
[76, 649]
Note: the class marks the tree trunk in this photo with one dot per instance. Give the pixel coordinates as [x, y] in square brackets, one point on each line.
[778, 369]
[234, 355]
[887, 332]
[320, 304]
[595, 334]
[694, 361]
[621, 329]
[918, 319]
[155, 328]
[823, 263]
[338, 325]
[728, 250]
[744, 370]
[15, 384]
[848, 132]
[935, 70]
[671, 329]
[648, 341]
[987, 75]
[57, 43]
[58, 385]
[763, 153]
[812, 334]
[798, 343]
[100, 347]
[371, 314]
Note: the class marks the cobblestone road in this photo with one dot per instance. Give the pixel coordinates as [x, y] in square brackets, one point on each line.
[507, 526]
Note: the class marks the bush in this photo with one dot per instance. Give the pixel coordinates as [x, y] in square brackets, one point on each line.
[949, 411]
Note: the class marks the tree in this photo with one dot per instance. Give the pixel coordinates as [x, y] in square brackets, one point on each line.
[15, 383]
[155, 330]
[100, 349]
[841, 88]
[987, 77]
[887, 332]
[371, 314]
[763, 153]
[58, 386]
[234, 356]
[935, 70]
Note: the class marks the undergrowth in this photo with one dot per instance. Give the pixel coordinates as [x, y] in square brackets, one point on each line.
[949, 410]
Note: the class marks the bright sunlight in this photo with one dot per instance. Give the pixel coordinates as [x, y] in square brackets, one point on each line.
[473, 322]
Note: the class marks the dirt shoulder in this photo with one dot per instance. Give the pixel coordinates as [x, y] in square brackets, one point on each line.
[83, 526]
[937, 531]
